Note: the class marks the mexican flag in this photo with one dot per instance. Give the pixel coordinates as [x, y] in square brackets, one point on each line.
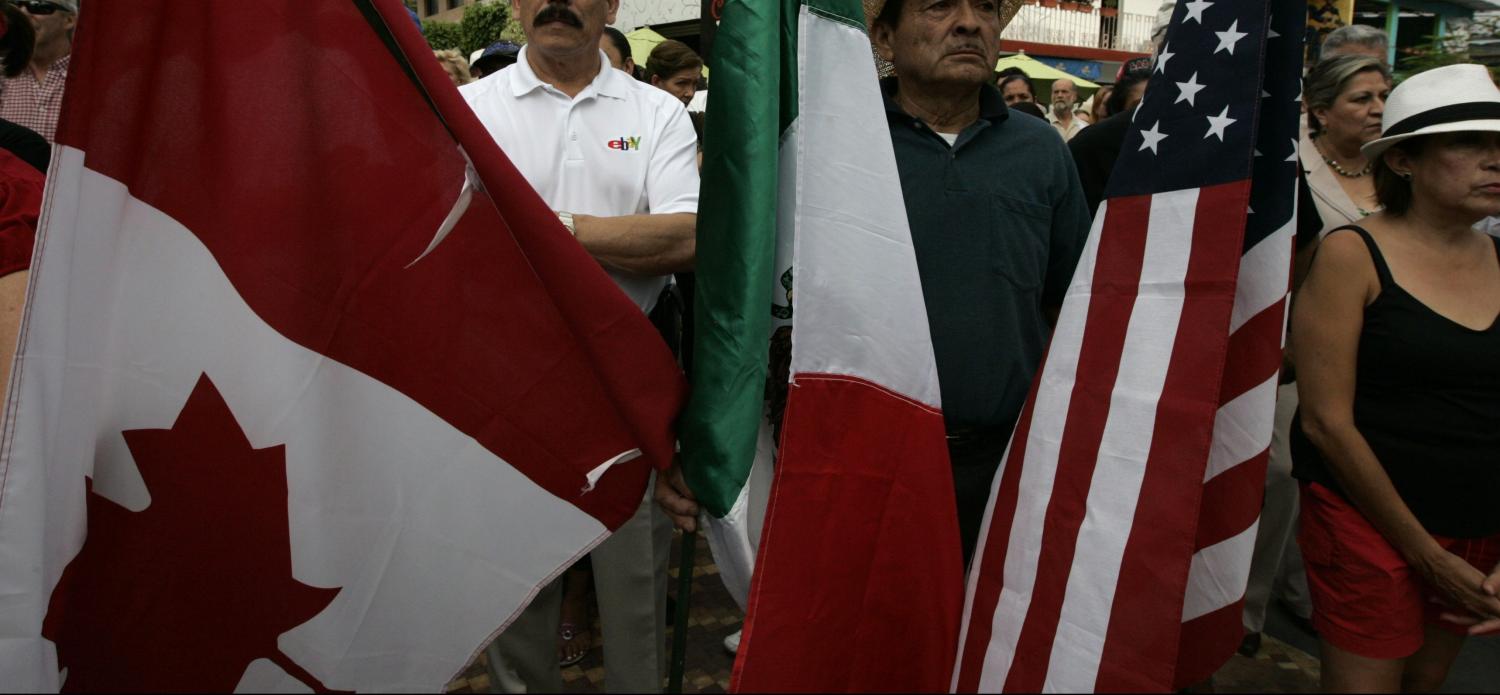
[313, 391]
[805, 262]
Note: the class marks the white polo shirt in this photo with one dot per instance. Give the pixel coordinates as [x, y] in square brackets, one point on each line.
[621, 147]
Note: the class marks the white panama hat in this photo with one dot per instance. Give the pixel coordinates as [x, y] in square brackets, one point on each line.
[1450, 99]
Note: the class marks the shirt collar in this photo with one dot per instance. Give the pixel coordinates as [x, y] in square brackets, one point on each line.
[991, 103]
[607, 83]
[58, 67]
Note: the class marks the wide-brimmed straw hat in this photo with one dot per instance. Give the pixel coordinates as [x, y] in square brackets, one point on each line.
[1008, 10]
[1450, 99]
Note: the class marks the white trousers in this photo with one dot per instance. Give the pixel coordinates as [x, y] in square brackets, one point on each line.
[1276, 563]
[630, 582]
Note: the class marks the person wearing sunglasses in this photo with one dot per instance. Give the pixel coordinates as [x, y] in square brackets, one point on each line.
[34, 97]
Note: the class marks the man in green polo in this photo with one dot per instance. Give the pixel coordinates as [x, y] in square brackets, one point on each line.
[998, 219]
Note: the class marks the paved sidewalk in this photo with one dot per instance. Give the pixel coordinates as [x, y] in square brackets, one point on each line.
[1278, 668]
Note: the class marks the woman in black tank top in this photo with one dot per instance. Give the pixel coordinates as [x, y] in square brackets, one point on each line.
[1397, 440]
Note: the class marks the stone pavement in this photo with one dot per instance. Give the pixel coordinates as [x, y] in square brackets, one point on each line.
[1278, 668]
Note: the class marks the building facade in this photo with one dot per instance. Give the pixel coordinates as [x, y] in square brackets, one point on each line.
[1413, 24]
[442, 10]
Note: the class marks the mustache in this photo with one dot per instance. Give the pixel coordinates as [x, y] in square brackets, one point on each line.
[557, 13]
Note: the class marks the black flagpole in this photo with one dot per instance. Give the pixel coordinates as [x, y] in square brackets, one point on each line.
[679, 622]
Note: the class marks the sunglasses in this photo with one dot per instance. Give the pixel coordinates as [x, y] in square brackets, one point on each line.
[38, 7]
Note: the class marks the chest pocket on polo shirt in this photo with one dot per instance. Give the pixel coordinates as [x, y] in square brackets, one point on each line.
[1021, 233]
[624, 161]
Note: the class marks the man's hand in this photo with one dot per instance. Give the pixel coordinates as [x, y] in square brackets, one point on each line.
[676, 499]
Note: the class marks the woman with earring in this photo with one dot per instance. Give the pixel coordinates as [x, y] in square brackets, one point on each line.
[1345, 98]
[1397, 439]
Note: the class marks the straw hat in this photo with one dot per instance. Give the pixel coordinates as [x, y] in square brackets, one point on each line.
[1449, 99]
[1008, 10]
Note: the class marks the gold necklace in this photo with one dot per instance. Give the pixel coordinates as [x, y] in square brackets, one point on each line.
[1333, 163]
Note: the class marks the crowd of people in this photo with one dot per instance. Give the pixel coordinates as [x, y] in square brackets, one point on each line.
[1380, 528]
[1066, 109]
[995, 254]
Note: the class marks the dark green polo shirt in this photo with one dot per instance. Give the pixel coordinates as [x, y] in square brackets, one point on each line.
[998, 221]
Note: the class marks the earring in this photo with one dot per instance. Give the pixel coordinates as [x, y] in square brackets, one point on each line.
[1405, 175]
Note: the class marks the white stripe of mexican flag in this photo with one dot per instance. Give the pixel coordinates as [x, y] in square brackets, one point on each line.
[858, 584]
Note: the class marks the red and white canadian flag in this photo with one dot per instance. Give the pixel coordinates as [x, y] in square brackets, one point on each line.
[268, 427]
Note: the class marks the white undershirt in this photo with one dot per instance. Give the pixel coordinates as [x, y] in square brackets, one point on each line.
[952, 138]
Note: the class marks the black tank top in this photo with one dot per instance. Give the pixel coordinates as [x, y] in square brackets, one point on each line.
[1427, 399]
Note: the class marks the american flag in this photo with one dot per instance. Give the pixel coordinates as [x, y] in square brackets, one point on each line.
[1117, 542]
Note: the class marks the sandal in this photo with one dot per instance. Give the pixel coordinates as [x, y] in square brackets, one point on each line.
[567, 633]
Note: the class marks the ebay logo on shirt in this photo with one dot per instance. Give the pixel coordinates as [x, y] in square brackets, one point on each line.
[625, 143]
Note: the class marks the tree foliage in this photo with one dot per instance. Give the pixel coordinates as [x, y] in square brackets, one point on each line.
[513, 32]
[483, 24]
[442, 35]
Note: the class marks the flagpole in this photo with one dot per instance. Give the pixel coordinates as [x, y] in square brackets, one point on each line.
[679, 622]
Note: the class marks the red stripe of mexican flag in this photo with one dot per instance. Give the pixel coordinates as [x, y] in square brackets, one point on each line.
[858, 582]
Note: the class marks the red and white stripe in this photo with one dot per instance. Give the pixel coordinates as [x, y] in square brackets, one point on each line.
[1235, 478]
[1082, 583]
[860, 543]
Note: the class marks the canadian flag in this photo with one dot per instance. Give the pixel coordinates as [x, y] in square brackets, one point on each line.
[269, 430]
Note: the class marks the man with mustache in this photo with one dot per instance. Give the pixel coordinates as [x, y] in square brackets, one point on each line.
[997, 218]
[616, 159]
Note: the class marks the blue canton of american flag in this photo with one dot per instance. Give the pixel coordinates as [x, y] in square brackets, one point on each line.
[1117, 544]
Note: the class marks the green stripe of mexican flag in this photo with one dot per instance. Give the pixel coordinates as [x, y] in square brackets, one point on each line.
[858, 583]
[755, 91]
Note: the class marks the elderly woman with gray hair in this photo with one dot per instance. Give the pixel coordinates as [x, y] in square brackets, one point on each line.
[1345, 98]
[1355, 39]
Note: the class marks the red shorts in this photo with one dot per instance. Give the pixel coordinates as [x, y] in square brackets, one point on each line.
[1366, 599]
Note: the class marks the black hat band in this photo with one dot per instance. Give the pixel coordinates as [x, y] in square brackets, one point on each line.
[1453, 113]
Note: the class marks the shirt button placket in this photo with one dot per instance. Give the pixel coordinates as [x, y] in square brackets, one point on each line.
[573, 150]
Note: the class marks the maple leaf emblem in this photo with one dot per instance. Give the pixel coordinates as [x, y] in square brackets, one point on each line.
[184, 595]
